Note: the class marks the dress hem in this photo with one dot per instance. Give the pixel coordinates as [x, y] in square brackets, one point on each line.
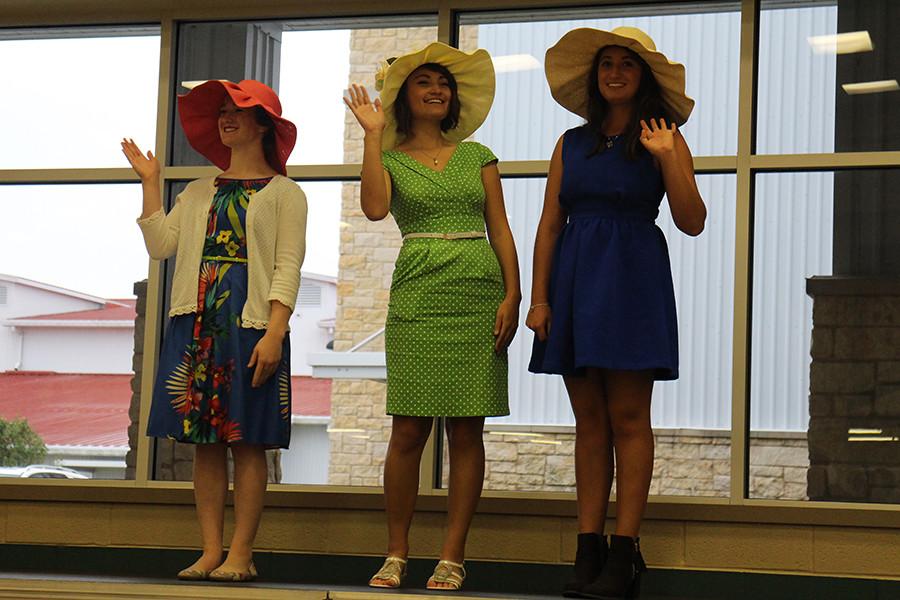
[659, 373]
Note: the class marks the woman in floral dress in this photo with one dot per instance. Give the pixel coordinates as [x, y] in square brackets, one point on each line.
[224, 371]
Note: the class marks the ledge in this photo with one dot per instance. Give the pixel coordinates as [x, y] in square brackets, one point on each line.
[845, 285]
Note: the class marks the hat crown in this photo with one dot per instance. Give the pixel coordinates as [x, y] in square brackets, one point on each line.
[636, 34]
[263, 93]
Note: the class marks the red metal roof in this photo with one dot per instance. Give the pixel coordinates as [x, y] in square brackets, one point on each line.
[92, 410]
[114, 310]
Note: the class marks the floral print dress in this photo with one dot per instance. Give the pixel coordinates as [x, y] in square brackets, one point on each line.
[203, 393]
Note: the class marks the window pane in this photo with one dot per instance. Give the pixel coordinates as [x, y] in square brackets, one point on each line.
[533, 448]
[348, 351]
[310, 64]
[67, 325]
[828, 76]
[312, 333]
[825, 323]
[525, 121]
[77, 96]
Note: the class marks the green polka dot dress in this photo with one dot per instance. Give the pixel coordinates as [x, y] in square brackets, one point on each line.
[439, 341]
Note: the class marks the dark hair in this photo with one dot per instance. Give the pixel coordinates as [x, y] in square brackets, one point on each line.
[270, 150]
[403, 112]
[648, 103]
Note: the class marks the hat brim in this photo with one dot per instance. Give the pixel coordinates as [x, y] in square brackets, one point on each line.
[198, 111]
[568, 63]
[475, 86]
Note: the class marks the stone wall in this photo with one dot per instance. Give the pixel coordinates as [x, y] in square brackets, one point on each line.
[359, 429]
[687, 462]
[854, 403]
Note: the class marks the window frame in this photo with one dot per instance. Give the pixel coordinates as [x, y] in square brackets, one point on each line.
[738, 507]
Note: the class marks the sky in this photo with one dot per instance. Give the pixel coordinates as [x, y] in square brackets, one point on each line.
[76, 98]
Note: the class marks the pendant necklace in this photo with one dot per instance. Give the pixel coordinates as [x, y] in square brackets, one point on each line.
[610, 140]
[434, 158]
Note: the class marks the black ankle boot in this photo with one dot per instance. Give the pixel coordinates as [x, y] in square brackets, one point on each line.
[589, 560]
[621, 576]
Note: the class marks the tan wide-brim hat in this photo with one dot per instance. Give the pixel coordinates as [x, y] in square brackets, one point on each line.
[568, 64]
[475, 81]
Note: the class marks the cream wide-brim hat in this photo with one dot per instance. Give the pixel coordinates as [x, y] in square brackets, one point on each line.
[568, 63]
[475, 84]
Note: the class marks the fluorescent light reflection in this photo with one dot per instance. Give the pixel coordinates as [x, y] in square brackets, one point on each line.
[841, 43]
[511, 63]
[871, 87]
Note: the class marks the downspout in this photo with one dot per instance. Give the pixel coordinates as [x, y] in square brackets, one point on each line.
[18, 365]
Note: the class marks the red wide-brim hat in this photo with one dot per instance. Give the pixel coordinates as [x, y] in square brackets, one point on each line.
[199, 114]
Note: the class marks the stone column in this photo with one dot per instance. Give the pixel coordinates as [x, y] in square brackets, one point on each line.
[854, 403]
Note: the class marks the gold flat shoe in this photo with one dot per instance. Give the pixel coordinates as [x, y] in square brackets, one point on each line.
[233, 576]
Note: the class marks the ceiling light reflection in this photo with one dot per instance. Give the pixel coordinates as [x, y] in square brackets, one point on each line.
[841, 43]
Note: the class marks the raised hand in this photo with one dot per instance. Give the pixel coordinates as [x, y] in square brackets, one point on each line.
[367, 113]
[147, 167]
[658, 139]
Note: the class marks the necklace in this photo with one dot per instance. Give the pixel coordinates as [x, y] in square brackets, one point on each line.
[610, 140]
[434, 158]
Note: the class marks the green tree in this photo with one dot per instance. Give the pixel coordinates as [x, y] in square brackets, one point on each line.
[19, 444]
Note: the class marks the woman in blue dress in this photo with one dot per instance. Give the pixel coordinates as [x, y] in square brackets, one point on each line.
[602, 302]
[224, 371]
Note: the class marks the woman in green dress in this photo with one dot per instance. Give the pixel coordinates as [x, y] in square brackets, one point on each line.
[454, 304]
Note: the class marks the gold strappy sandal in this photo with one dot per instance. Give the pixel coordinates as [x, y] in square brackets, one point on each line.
[391, 574]
[447, 572]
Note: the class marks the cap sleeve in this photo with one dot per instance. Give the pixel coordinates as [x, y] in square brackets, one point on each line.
[485, 155]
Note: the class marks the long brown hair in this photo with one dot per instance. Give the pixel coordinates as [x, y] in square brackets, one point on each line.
[268, 142]
[648, 103]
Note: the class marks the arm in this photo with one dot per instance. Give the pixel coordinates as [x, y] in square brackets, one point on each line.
[667, 145]
[290, 246]
[553, 218]
[290, 249]
[375, 184]
[160, 230]
[505, 248]
[267, 352]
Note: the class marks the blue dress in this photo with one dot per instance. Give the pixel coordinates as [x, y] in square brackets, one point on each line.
[203, 393]
[611, 292]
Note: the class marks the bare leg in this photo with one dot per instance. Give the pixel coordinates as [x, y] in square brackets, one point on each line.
[401, 479]
[465, 436]
[593, 450]
[210, 488]
[628, 397]
[250, 479]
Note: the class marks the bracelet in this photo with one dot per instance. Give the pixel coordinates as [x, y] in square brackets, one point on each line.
[534, 306]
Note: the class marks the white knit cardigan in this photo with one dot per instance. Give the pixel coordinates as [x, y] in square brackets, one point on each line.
[276, 244]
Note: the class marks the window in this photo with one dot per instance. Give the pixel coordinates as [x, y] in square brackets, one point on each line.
[704, 40]
[823, 426]
[828, 77]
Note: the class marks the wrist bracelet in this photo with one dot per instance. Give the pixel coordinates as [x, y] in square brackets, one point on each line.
[534, 306]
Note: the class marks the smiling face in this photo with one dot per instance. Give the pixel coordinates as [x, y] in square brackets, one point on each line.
[238, 126]
[618, 75]
[428, 94]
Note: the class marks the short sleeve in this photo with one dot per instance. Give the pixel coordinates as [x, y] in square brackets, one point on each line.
[485, 155]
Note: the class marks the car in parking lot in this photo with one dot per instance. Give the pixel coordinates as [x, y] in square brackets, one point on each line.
[42, 472]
